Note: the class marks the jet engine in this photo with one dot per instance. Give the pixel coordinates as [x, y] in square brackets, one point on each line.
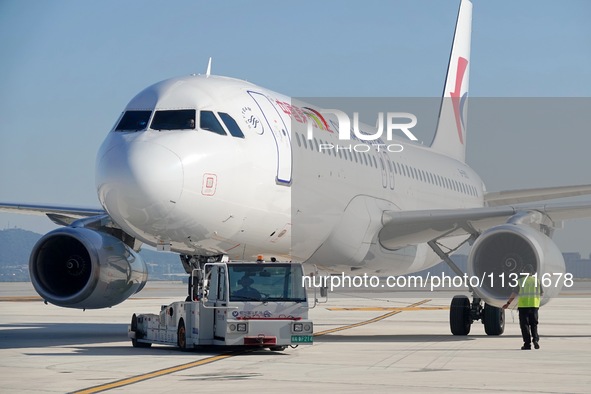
[501, 256]
[77, 267]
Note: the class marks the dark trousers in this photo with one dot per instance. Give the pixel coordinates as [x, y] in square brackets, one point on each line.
[528, 321]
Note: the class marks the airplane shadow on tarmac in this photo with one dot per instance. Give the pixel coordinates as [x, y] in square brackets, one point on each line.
[421, 338]
[86, 338]
[35, 335]
[393, 338]
[82, 337]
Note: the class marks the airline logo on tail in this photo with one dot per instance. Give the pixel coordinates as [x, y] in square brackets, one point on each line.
[457, 99]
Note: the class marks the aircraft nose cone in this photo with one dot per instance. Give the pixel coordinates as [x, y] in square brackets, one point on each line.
[139, 183]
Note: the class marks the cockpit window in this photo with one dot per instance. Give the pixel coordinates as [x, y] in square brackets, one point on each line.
[231, 125]
[134, 121]
[208, 121]
[179, 119]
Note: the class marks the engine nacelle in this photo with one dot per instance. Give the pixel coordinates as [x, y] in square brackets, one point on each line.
[501, 254]
[86, 269]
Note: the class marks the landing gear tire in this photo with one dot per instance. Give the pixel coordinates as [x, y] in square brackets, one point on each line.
[134, 341]
[181, 335]
[459, 315]
[494, 320]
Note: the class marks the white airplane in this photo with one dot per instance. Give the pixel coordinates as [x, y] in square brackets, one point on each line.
[208, 166]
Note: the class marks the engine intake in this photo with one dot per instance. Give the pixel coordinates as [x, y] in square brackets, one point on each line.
[86, 269]
[502, 253]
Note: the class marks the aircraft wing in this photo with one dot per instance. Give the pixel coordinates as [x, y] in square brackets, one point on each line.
[60, 215]
[506, 197]
[411, 227]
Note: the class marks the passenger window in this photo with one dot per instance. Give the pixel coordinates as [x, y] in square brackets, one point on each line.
[231, 125]
[134, 121]
[174, 120]
[208, 121]
[298, 139]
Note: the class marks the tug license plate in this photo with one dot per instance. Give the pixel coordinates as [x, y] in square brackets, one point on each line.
[301, 339]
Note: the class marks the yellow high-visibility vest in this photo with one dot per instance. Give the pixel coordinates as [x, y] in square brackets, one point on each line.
[529, 293]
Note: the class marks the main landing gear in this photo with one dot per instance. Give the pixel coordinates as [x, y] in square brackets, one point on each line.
[462, 312]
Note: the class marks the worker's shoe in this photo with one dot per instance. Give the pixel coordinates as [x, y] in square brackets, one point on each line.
[536, 345]
[526, 347]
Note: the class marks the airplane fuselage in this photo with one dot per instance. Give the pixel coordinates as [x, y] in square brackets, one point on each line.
[206, 189]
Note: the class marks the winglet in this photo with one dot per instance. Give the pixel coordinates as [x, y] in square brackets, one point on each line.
[208, 72]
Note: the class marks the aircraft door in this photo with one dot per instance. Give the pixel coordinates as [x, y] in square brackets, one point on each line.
[387, 168]
[275, 124]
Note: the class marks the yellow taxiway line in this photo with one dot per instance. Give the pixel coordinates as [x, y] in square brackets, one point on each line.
[20, 299]
[401, 309]
[155, 374]
[370, 321]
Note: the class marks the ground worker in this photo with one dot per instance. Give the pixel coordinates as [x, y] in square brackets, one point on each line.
[528, 304]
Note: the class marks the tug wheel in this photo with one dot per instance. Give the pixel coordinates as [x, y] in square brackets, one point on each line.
[134, 341]
[181, 335]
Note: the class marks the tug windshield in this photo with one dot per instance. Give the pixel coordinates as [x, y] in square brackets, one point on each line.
[266, 282]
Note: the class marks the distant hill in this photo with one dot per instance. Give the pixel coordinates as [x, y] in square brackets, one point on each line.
[16, 246]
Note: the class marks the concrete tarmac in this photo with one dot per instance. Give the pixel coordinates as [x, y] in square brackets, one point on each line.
[376, 343]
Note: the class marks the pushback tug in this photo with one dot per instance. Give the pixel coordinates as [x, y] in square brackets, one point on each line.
[261, 304]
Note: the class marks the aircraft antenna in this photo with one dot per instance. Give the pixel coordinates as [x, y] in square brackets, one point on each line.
[208, 72]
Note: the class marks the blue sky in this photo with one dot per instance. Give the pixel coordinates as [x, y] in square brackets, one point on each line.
[68, 69]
